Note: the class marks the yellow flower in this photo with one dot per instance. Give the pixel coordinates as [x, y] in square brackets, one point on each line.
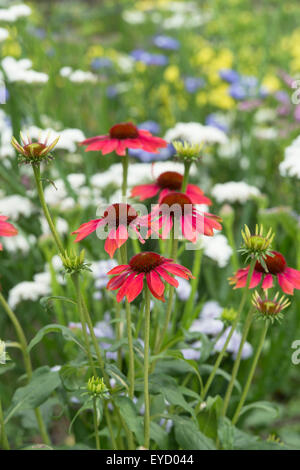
[95, 51]
[201, 98]
[220, 98]
[204, 55]
[140, 67]
[11, 49]
[172, 73]
[271, 82]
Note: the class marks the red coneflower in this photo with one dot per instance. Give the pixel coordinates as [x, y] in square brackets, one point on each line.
[6, 229]
[167, 182]
[122, 136]
[149, 266]
[177, 206]
[288, 278]
[120, 219]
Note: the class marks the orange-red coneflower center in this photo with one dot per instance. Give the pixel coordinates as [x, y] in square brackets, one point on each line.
[34, 149]
[145, 262]
[170, 180]
[120, 214]
[276, 264]
[124, 130]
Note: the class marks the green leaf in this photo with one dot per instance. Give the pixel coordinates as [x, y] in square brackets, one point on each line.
[42, 384]
[262, 405]
[129, 414]
[189, 437]
[226, 433]
[73, 376]
[169, 389]
[158, 435]
[46, 302]
[87, 405]
[206, 368]
[114, 372]
[54, 328]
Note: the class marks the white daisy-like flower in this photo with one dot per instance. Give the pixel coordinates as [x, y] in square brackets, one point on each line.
[218, 249]
[234, 191]
[196, 133]
[290, 166]
[16, 206]
[20, 71]
[3, 34]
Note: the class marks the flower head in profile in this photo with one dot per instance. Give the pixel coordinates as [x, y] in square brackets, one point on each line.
[270, 309]
[168, 182]
[122, 136]
[186, 151]
[119, 219]
[6, 229]
[177, 208]
[34, 152]
[275, 266]
[257, 245]
[147, 266]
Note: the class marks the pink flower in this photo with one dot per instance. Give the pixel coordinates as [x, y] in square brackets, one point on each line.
[6, 229]
[288, 278]
[167, 182]
[122, 136]
[120, 219]
[178, 207]
[149, 267]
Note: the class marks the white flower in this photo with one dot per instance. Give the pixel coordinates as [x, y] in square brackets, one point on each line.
[218, 249]
[184, 288]
[196, 133]
[265, 133]
[234, 191]
[14, 12]
[193, 353]
[20, 71]
[290, 166]
[20, 243]
[134, 16]
[61, 226]
[16, 206]
[234, 344]
[230, 149]
[125, 63]
[208, 326]
[211, 309]
[3, 34]
[27, 290]
[265, 115]
[78, 76]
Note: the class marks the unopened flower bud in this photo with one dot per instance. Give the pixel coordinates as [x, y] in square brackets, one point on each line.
[34, 152]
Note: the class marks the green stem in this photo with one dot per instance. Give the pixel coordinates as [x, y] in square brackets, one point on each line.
[194, 284]
[251, 373]
[111, 433]
[131, 351]
[187, 166]
[97, 438]
[229, 232]
[237, 361]
[3, 437]
[146, 370]
[37, 175]
[125, 162]
[234, 324]
[27, 362]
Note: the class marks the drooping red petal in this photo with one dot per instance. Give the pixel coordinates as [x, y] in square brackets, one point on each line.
[293, 276]
[285, 284]
[169, 279]
[267, 282]
[176, 269]
[135, 287]
[152, 290]
[145, 191]
[124, 289]
[116, 282]
[156, 283]
[196, 195]
[87, 228]
[118, 269]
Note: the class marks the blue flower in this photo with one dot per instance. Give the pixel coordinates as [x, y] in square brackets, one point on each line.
[148, 58]
[212, 120]
[147, 157]
[237, 91]
[111, 91]
[101, 63]
[150, 126]
[192, 84]
[229, 75]
[166, 42]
